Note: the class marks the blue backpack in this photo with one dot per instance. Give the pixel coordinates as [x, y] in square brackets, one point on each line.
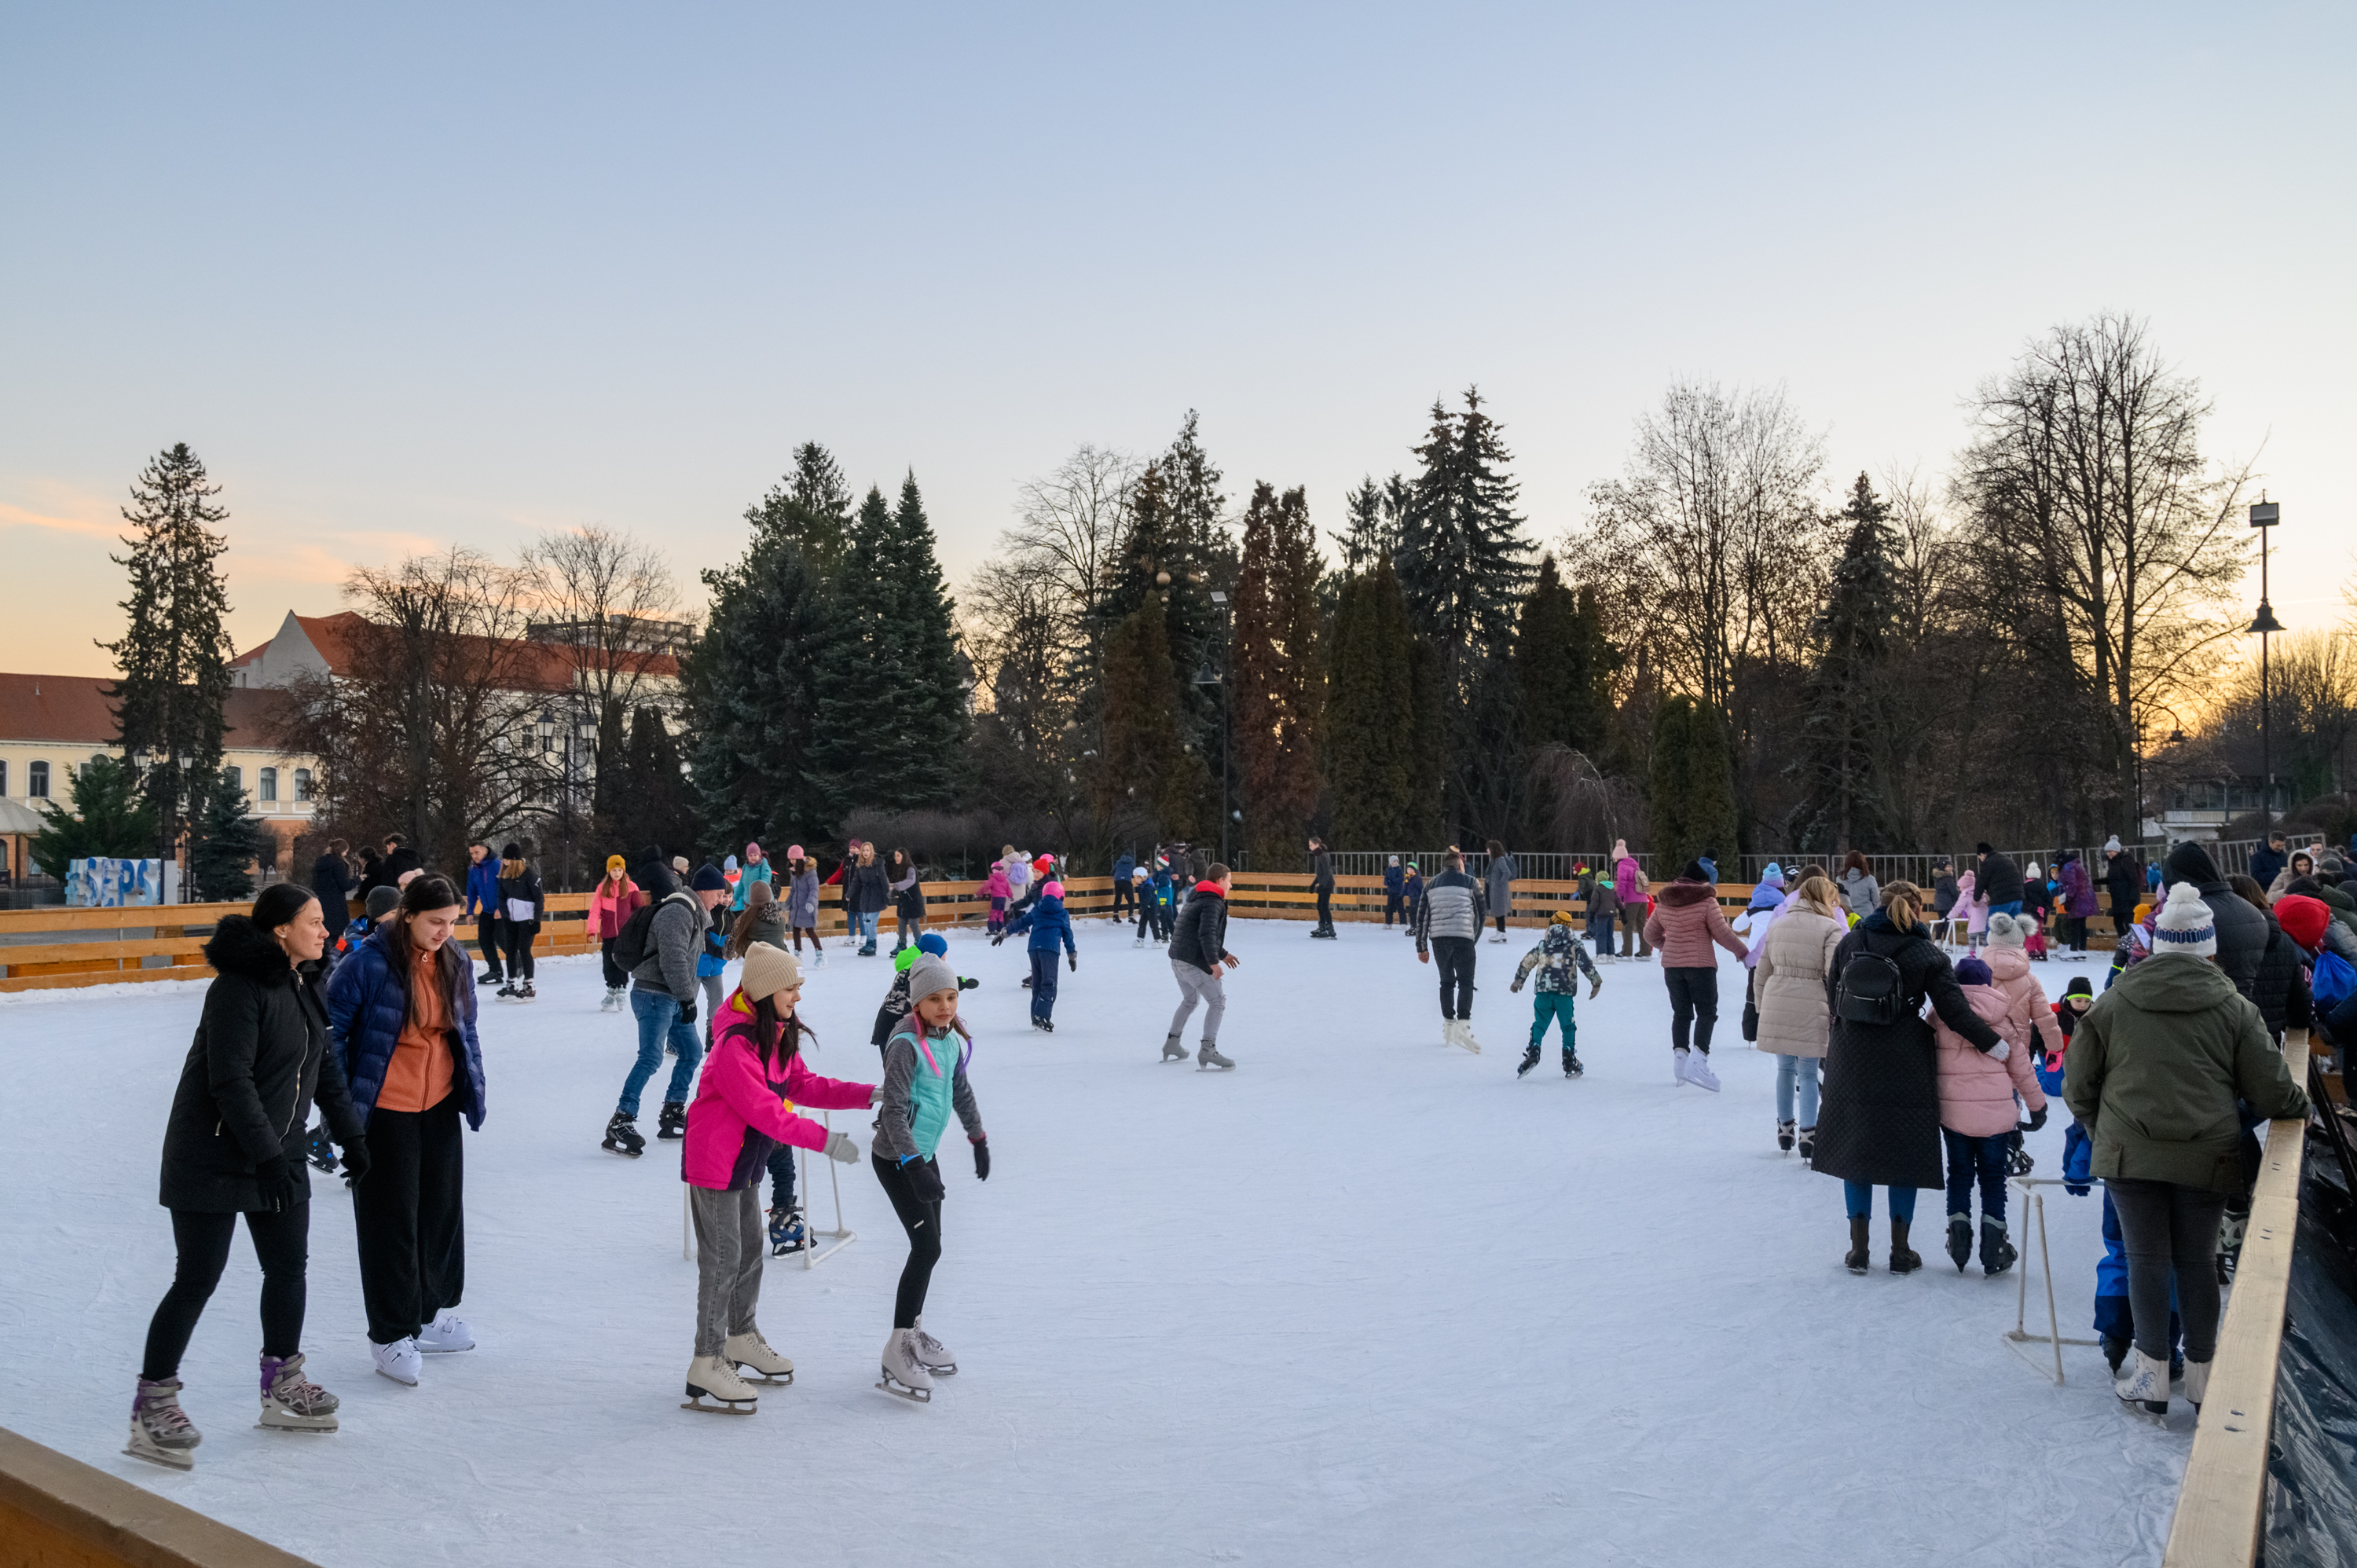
[2334, 981]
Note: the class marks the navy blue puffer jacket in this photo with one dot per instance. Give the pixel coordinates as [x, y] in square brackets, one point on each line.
[367, 1006]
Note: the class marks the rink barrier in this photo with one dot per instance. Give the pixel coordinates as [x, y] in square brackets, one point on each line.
[2221, 1503]
[58, 1512]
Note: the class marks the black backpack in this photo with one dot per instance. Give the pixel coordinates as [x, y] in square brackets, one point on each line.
[637, 934]
[1872, 991]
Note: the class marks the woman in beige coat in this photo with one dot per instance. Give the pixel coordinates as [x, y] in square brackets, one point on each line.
[1788, 985]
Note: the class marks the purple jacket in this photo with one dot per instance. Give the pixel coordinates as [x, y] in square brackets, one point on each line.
[2078, 890]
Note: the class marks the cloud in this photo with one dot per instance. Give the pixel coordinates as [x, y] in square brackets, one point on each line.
[25, 516]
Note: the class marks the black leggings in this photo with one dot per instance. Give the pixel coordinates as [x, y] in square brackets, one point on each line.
[519, 934]
[2170, 1232]
[1693, 1003]
[921, 1218]
[282, 1242]
[1453, 956]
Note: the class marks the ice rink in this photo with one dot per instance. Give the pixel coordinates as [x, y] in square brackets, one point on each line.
[1367, 1299]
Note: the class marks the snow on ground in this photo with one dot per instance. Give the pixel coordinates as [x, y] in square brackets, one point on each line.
[1367, 1299]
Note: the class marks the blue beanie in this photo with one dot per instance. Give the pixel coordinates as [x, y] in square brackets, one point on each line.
[934, 944]
[1972, 971]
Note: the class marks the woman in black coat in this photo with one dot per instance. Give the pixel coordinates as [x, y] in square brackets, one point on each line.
[1878, 1123]
[234, 1145]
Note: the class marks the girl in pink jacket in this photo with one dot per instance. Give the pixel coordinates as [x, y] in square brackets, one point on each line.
[1976, 1113]
[744, 1109]
[997, 889]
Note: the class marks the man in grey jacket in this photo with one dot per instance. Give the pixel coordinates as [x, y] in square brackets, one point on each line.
[662, 999]
[1449, 922]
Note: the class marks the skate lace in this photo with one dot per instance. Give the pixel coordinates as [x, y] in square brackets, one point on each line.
[297, 1392]
[161, 1414]
[926, 1343]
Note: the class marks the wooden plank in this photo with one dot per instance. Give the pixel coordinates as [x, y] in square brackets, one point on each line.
[54, 952]
[2221, 1503]
[104, 977]
[59, 1511]
[55, 918]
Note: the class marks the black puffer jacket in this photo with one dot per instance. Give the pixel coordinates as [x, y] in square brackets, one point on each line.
[2280, 987]
[1999, 882]
[259, 1060]
[1879, 1122]
[2241, 929]
[1200, 937]
[865, 890]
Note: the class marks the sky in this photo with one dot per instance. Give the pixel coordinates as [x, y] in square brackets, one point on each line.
[464, 273]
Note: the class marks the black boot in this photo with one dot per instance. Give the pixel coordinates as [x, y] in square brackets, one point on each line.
[1903, 1259]
[1857, 1262]
[672, 1122]
[1997, 1247]
[1530, 1060]
[622, 1136]
[1960, 1239]
[1571, 1068]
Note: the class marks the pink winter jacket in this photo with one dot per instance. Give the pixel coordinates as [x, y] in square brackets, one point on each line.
[1975, 907]
[1629, 883]
[2031, 1012]
[741, 1114]
[994, 886]
[1976, 1093]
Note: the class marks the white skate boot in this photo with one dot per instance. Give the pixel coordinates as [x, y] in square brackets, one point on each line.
[446, 1334]
[398, 1360]
[1464, 1035]
[2144, 1381]
[931, 1354]
[161, 1433]
[748, 1349]
[904, 1375]
[710, 1376]
[1698, 1072]
[1208, 1057]
[292, 1402]
[1173, 1051]
[1678, 1066]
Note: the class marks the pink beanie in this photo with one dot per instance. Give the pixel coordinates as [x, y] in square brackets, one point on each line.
[1054, 890]
[793, 852]
[752, 852]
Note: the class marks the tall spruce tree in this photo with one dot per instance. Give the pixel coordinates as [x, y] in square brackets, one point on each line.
[811, 505]
[1461, 556]
[1147, 779]
[1370, 712]
[1201, 559]
[175, 652]
[858, 753]
[936, 712]
[1690, 788]
[656, 804]
[1279, 680]
[1846, 806]
[1375, 514]
[1427, 742]
[1564, 666]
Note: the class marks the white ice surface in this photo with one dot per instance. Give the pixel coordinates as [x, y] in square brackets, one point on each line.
[1367, 1299]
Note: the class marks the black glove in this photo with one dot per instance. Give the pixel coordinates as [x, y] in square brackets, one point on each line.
[982, 1159]
[356, 1160]
[968, 983]
[1073, 963]
[999, 939]
[2037, 1119]
[278, 1183]
[687, 1011]
[925, 1181]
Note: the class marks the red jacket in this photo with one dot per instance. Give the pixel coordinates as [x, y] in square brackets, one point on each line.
[608, 914]
[1685, 921]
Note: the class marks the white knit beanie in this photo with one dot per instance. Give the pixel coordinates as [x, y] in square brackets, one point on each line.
[2184, 924]
[2007, 931]
[769, 969]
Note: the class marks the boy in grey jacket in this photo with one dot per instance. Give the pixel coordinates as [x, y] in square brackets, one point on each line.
[1449, 923]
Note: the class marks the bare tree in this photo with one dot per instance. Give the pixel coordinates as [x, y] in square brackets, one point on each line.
[1070, 530]
[610, 606]
[2085, 472]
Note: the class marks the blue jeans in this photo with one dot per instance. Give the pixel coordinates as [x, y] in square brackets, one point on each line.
[782, 1176]
[1981, 1157]
[2010, 907]
[1802, 1071]
[865, 922]
[1043, 984]
[1860, 1197]
[658, 1015]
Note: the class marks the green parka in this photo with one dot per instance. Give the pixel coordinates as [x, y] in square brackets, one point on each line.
[2155, 1066]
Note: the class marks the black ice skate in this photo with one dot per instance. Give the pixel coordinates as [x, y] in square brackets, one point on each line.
[672, 1122]
[1530, 1060]
[1960, 1239]
[622, 1136]
[1571, 1068]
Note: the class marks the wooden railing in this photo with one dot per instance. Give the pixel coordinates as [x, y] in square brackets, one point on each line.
[58, 1512]
[2220, 1504]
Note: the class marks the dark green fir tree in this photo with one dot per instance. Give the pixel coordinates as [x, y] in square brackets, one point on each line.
[811, 505]
[1370, 712]
[1148, 781]
[1690, 788]
[1564, 666]
[223, 842]
[106, 817]
[1279, 679]
[1839, 756]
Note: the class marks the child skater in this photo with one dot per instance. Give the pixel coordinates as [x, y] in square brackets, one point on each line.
[896, 1002]
[997, 889]
[801, 903]
[1141, 894]
[1560, 959]
[1976, 1114]
[924, 1082]
[1603, 911]
[1049, 924]
[742, 1111]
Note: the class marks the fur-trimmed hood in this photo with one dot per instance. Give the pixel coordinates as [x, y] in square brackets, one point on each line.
[240, 946]
[1681, 893]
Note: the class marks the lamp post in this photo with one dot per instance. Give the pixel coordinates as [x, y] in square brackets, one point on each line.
[2175, 737]
[1206, 676]
[2265, 515]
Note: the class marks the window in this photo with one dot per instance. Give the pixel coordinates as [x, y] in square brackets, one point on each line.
[37, 780]
[302, 783]
[270, 783]
[236, 776]
[4, 777]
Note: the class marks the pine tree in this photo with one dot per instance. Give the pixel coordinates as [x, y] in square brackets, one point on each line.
[1147, 777]
[1690, 790]
[1370, 713]
[935, 706]
[811, 506]
[1844, 807]
[223, 842]
[106, 818]
[1279, 682]
[656, 805]
[1428, 736]
[175, 652]
[1461, 553]
[1564, 666]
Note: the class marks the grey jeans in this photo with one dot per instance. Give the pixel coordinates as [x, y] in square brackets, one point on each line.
[2170, 1235]
[730, 1252]
[1196, 986]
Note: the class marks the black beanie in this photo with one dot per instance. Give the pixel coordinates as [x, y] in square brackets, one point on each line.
[2079, 987]
[1982, 849]
[512, 852]
[1694, 873]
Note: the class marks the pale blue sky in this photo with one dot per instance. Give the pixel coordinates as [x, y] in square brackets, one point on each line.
[461, 272]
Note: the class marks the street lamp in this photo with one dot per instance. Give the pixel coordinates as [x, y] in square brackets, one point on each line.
[1206, 676]
[2265, 515]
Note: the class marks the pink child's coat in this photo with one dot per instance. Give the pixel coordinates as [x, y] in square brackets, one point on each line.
[733, 1095]
[1976, 1092]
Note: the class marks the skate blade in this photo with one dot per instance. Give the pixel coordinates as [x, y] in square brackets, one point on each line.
[948, 1371]
[752, 1375]
[902, 1391]
[626, 1153]
[290, 1422]
[725, 1407]
[170, 1459]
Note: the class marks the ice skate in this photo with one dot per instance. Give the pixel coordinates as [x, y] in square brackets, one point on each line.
[1530, 1060]
[606, 1005]
[1698, 1072]
[788, 1234]
[2146, 1382]
[1464, 1035]
[1138, 944]
[1449, 1031]
[1808, 1145]
[1678, 1055]
[1173, 1051]
[1960, 1239]
[1998, 1253]
[2197, 1382]
[446, 1336]
[1208, 1057]
[1571, 1064]
[710, 1378]
[320, 1152]
[818, 957]
[524, 993]
[622, 1136]
[904, 1376]
[749, 1350]
[291, 1401]
[505, 993]
[161, 1433]
[931, 1354]
[398, 1360]
[672, 1122]
[2019, 1161]
[1784, 1136]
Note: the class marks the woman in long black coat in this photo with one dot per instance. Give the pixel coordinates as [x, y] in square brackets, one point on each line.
[234, 1145]
[1878, 1125]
